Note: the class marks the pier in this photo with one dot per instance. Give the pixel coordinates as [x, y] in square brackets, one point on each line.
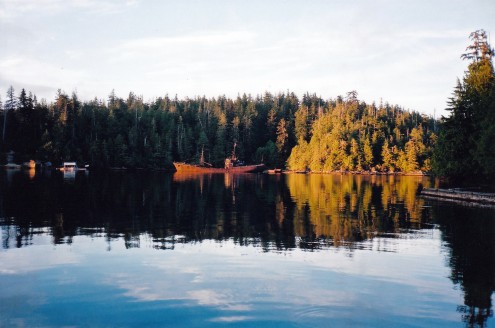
[460, 195]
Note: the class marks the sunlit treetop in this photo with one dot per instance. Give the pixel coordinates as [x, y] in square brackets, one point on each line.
[480, 49]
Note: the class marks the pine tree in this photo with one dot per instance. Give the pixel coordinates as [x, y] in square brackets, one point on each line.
[10, 106]
[301, 124]
[387, 158]
[282, 141]
[368, 154]
[465, 143]
[411, 157]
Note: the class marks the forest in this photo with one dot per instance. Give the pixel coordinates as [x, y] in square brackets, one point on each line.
[466, 143]
[281, 130]
[341, 134]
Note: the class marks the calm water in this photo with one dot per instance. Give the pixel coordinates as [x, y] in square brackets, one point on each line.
[155, 249]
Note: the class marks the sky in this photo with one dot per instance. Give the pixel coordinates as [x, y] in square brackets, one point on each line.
[402, 52]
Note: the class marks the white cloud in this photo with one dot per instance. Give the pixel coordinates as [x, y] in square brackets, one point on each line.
[231, 319]
[41, 257]
[12, 9]
[24, 70]
[209, 38]
[214, 298]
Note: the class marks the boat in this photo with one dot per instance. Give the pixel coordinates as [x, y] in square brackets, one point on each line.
[10, 162]
[29, 165]
[273, 171]
[191, 168]
[69, 167]
[12, 166]
[72, 167]
[232, 165]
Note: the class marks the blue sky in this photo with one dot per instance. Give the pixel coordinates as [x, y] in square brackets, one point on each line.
[404, 52]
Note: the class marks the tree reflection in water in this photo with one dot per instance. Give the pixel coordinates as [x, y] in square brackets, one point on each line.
[348, 208]
[469, 233]
[277, 213]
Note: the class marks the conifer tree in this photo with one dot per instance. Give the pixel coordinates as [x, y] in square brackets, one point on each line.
[465, 143]
[387, 158]
[368, 154]
[282, 140]
[10, 106]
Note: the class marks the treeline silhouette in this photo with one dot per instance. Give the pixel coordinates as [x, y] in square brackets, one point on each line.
[335, 134]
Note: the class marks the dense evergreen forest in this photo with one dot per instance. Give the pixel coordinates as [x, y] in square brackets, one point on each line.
[466, 143]
[311, 133]
[348, 135]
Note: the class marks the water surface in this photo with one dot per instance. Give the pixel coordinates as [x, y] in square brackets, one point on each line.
[156, 249]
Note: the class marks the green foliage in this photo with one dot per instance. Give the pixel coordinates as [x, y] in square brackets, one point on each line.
[349, 135]
[282, 141]
[388, 160]
[368, 154]
[134, 134]
[302, 126]
[267, 154]
[298, 159]
[337, 134]
[465, 146]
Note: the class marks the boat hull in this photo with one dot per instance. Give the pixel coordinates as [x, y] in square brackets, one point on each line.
[188, 168]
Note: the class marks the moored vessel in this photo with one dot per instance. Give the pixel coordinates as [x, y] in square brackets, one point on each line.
[232, 165]
[191, 168]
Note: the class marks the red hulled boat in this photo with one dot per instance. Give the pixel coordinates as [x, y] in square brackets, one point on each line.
[232, 165]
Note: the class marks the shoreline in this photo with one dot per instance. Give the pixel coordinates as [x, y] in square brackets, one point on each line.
[418, 173]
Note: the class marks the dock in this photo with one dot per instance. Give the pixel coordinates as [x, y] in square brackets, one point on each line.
[460, 195]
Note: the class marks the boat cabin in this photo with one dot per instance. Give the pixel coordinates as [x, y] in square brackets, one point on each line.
[70, 166]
